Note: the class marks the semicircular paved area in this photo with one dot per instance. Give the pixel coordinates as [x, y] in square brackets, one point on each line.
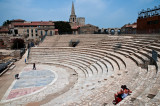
[30, 81]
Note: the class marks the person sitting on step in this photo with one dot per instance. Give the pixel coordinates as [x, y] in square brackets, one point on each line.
[118, 98]
[126, 91]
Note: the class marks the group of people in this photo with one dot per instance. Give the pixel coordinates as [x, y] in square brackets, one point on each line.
[119, 96]
[17, 75]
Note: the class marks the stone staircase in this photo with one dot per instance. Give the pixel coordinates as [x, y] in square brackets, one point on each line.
[101, 69]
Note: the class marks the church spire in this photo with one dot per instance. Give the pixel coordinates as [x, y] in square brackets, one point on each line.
[72, 11]
[73, 15]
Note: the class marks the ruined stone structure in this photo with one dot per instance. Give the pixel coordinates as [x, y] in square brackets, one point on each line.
[88, 29]
[4, 31]
[109, 30]
[129, 28]
[80, 21]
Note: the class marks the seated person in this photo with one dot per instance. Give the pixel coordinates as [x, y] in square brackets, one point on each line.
[126, 91]
[118, 98]
[120, 92]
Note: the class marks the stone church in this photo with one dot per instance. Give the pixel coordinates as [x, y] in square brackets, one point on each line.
[74, 20]
[78, 24]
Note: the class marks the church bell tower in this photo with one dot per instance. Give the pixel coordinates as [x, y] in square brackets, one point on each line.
[72, 16]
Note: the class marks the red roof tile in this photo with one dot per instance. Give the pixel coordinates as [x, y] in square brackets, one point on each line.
[134, 25]
[34, 24]
[4, 30]
[55, 29]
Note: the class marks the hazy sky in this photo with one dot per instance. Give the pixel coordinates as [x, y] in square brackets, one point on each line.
[102, 13]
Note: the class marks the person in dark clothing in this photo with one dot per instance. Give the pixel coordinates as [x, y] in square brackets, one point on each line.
[126, 92]
[118, 98]
[17, 76]
[120, 92]
[34, 66]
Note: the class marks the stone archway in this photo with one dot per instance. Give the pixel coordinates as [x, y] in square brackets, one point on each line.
[106, 31]
[119, 31]
[112, 31]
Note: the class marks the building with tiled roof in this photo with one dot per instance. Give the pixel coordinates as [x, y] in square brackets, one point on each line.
[34, 30]
[41, 23]
[129, 28]
[4, 30]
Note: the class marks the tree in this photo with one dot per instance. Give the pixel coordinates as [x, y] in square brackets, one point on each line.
[18, 43]
[63, 27]
[6, 23]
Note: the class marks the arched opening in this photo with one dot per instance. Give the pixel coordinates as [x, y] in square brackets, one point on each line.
[119, 31]
[112, 31]
[41, 33]
[106, 31]
[50, 33]
[99, 31]
[46, 32]
[1, 43]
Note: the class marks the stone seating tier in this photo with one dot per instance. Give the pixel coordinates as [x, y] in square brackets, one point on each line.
[101, 68]
[105, 55]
